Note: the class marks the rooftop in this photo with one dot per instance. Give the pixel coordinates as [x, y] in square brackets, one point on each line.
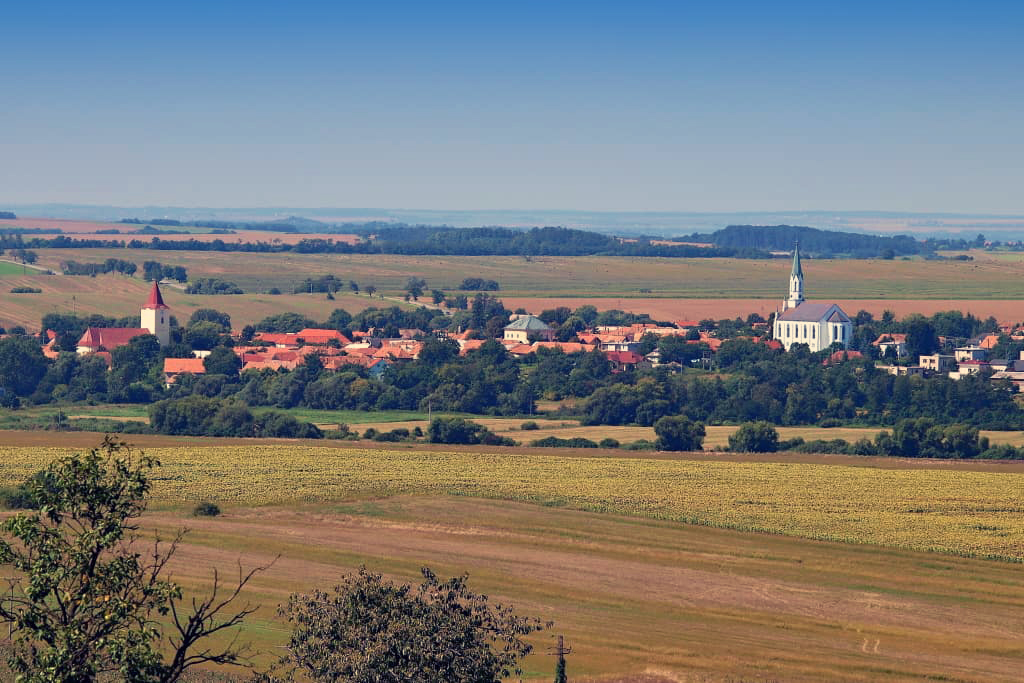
[814, 312]
[529, 323]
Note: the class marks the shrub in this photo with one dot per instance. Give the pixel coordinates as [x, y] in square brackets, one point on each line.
[609, 443]
[754, 437]
[370, 433]
[17, 498]
[679, 434]
[640, 445]
[394, 435]
[555, 442]
[206, 509]
[529, 426]
[26, 290]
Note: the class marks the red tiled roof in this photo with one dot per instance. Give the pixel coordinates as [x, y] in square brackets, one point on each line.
[895, 338]
[174, 366]
[156, 299]
[567, 347]
[321, 336]
[840, 356]
[110, 337]
[626, 357]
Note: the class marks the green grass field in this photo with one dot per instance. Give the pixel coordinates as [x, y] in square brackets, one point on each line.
[8, 268]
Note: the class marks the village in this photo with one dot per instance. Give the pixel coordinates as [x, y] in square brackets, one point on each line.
[817, 325]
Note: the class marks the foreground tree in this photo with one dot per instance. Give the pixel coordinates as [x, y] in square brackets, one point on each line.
[87, 604]
[369, 630]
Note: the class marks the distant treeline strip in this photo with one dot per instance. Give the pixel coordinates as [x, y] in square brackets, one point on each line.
[416, 241]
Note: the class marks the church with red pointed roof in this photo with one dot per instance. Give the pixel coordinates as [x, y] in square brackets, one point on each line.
[155, 320]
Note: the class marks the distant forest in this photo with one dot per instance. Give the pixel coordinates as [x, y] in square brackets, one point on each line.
[813, 240]
[735, 241]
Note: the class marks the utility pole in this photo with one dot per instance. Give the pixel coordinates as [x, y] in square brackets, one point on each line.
[11, 582]
[560, 651]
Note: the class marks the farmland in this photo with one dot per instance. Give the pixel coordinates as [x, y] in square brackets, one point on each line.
[117, 295]
[596, 276]
[604, 553]
[673, 289]
[959, 511]
[717, 435]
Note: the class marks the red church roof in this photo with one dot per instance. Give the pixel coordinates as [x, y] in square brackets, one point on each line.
[109, 338]
[156, 300]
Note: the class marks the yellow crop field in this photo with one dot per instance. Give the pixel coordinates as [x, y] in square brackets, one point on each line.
[963, 512]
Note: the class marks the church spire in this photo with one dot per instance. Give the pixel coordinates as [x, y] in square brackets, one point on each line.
[156, 299]
[796, 280]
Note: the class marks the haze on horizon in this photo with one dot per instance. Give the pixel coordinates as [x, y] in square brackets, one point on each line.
[732, 106]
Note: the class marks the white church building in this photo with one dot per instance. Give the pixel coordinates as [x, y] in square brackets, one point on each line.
[819, 325]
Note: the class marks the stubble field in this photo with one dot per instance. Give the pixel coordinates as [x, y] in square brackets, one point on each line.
[599, 544]
[679, 289]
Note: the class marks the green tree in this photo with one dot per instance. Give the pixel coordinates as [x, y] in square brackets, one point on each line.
[754, 437]
[679, 434]
[222, 361]
[415, 286]
[369, 630]
[203, 335]
[88, 604]
[921, 338]
[211, 315]
[22, 365]
[455, 430]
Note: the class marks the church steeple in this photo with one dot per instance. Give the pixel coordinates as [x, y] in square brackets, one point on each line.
[155, 317]
[796, 281]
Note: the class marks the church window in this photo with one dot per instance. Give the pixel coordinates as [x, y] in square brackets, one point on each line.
[813, 331]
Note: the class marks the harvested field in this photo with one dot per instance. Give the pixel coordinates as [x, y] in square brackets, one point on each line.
[117, 295]
[89, 229]
[606, 277]
[641, 601]
[66, 226]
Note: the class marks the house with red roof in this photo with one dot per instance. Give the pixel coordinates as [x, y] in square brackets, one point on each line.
[176, 367]
[625, 360]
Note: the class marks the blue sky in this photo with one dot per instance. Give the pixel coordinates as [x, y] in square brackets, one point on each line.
[711, 106]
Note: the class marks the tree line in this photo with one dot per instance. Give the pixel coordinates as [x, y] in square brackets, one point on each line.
[812, 240]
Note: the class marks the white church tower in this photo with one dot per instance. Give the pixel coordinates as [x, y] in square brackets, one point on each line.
[155, 317]
[796, 282]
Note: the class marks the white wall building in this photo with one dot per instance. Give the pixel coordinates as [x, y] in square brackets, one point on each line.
[819, 325]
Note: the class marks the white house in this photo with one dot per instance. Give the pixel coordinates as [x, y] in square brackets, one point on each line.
[526, 328]
[819, 325]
